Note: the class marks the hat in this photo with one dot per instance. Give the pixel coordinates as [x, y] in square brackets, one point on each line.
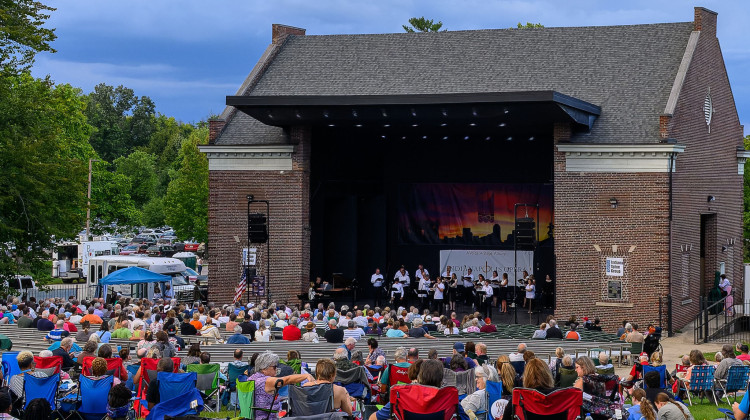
[487, 320]
[171, 330]
[428, 318]
[305, 315]
[585, 318]
[310, 326]
[643, 354]
[459, 347]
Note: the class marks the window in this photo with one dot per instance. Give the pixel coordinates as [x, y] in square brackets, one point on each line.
[685, 274]
[614, 289]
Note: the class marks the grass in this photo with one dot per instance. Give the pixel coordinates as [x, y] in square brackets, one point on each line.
[708, 410]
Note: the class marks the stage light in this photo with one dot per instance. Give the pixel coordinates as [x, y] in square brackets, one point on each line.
[474, 112]
[358, 125]
[325, 114]
[332, 125]
[473, 124]
[403, 137]
[466, 138]
[413, 112]
[445, 137]
[415, 125]
[505, 111]
[386, 125]
[509, 138]
[488, 138]
[501, 125]
[297, 114]
[270, 115]
[383, 136]
[354, 113]
[531, 138]
[443, 124]
[424, 137]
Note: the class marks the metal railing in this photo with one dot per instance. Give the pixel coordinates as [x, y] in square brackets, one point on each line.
[62, 291]
[721, 322]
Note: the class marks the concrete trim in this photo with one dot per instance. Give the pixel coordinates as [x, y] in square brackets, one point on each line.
[249, 158]
[679, 80]
[619, 158]
[615, 304]
[742, 156]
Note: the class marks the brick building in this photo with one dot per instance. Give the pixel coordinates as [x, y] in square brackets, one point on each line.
[634, 127]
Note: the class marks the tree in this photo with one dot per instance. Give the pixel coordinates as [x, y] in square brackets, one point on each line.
[22, 34]
[122, 120]
[187, 196]
[422, 25]
[111, 202]
[44, 154]
[140, 168]
[528, 25]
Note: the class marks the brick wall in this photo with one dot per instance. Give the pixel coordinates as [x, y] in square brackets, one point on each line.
[707, 167]
[289, 245]
[584, 218]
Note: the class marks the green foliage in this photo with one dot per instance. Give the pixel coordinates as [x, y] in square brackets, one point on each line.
[746, 205]
[528, 25]
[153, 212]
[140, 168]
[422, 25]
[22, 34]
[110, 199]
[44, 154]
[122, 120]
[186, 203]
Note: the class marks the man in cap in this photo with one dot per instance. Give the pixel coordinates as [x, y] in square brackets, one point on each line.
[459, 348]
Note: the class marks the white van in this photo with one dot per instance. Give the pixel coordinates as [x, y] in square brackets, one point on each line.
[100, 267]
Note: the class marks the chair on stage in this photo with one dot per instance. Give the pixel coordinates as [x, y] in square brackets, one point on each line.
[420, 402]
[561, 404]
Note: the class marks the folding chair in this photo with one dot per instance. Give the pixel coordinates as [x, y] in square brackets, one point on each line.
[207, 381]
[737, 380]
[701, 382]
[662, 374]
[355, 381]
[49, 365]
[10, 365]
[93, 395]
[519, 366]
[233, 372]
[114, 366]
[148, 373]
[188, 404]
[567, 377]
[396, 375]
[561, 404]
[493, 393]
[132, 370]
[420, 402]
[45, 388]
[246, 398]
[310, 400]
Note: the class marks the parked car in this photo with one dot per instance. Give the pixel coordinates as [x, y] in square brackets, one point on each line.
[133, 249]
[167, 240]
[191, 246]
[161, 251]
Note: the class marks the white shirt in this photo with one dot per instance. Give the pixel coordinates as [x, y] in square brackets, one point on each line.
[439, 289]
[404, 278]
[419, 274]
[397, 288]
[468, 282]
[530, 291]
[488, 290]
[424, 285]
[723, 284]
[446, 274]
[376, 280]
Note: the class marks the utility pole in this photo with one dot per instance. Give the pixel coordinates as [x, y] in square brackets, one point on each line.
[88, 203]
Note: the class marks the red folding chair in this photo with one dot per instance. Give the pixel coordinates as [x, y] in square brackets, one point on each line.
[420, 402]
[396, 375]
[49, 365]
[562, 404]
[148, 372]
[114, 367]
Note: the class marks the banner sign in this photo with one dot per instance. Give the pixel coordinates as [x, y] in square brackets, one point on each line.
[469, 214]
[258, 286]
[486, 261]
[615, 267]
[249, 256]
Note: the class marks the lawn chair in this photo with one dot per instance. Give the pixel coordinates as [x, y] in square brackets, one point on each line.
[93, 396]
[355, 381]
[662, 374]
[50, 365]
[114, 366]
[737, 380]
[493, 394]
[562, 404]
[45, 388]
[420, 402]
[308, 401]
[567, 377]
[233, 372]
[701, 382]
[148, 373]
[132, 370]
[396, 375]
[519, 366]
[207, 381]
[186, 400]
[246, 398]
[10, 365]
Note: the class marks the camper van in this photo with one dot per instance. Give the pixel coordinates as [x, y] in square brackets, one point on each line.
[100, 267]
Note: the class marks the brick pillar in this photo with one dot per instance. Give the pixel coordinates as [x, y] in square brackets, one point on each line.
[215, 125]
[280, 32]
[705, 21]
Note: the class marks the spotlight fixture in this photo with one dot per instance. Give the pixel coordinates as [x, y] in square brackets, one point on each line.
[403, 137]
[509, 138]
[531, 138]
[711, 198]
[424, 137]
[358, 125]
[488, 138]
[415, 125]
[473, 124]
[613, 202]
[332, 125]
[501, 125]
[443, 124]
[466, 138]
[505, 111]
[445, 137]
[386, 125]
[382, 136]
[297, 114]
[354, 113]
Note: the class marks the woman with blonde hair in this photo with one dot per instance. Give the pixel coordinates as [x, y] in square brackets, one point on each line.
[656, 359]
[642, 408]
[507, 374]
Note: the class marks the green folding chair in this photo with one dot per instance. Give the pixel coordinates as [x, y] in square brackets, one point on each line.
[207, 382]
[245, 395]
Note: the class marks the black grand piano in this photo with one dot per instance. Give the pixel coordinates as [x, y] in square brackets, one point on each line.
[340, 290]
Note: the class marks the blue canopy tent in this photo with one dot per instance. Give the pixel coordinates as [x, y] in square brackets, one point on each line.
[132, 275]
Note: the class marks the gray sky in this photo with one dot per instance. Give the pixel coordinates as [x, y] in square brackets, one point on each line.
[187, 55]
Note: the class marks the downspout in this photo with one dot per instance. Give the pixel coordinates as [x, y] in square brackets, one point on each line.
[670, 332]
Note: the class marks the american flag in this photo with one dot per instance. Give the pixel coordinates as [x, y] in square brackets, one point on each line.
[242, 287]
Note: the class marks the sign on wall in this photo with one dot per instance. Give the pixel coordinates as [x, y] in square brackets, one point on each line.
[486, 261]
[249, 256]
[615, 267]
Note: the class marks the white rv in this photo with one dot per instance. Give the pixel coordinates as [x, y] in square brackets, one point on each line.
[100, 267]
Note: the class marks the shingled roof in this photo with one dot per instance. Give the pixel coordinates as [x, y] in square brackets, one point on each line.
[627, 70]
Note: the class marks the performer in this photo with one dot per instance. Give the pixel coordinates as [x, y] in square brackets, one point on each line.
[452, 286]
[439, 288]
[421, 271]
[422, 290]
[530, 292]
[504, 294]
[377, 282]
[403, 276]
[486, 303]
[495, 283]
[397, 293]
[468, 284]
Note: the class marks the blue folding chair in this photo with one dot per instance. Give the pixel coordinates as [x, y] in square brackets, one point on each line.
[702, 383]
[10, 365]
[493, 392]
[132, 370]
[662, 374]
[186, 399]
[93, 394]
[737, 380]
[45, 388]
